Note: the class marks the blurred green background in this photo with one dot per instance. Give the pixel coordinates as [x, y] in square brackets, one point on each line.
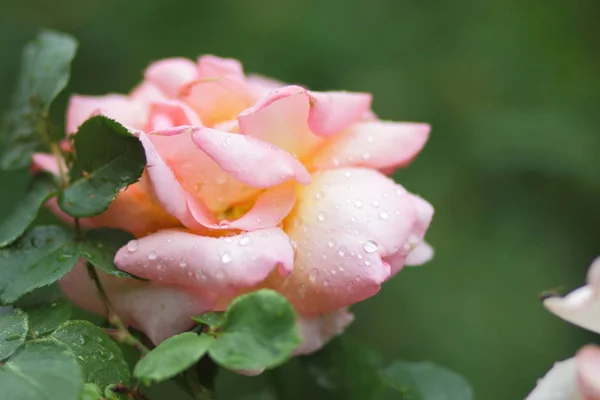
[512, 90]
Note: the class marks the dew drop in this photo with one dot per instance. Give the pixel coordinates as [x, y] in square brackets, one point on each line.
[366, 156]
[341, 268]
[293, 244]
[152, 255]
[226, 258]
[324, 256]
[383, 215]
[132, 246]
[375, 204]
[370, 139]
[348, 174]
[321, 216]
[331, 243]
[370, 246]
[245, 240]
[350, 287]
[342, 251]
[313, 274]
[220, 274]
[367, 262]
[302, 290]
[64, 257]
[170, 240]
[228, 240]
[358, 204]
[183, 263]
[319, 195]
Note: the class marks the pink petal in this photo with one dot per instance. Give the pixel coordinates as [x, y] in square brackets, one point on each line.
[171, 74]
[262, 85]
[220, 265]
[344, 223]
[580, 307]
[244, 157]
[271, 207]
[166, 114]
[560, 383]
[373, 144]
[177, 157]
[171, 195]
[217, 99]
[121, 108]
[212, 66]
[422, 253]
[147, 92]
[317, 331]
[159, 311]
[44, 162]
[294, 118]
[588, 368]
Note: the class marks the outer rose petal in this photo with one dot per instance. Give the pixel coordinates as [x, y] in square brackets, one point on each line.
[160, 311]
[317, 331]
[560, 383]
[373, 144]
[420, 255]
[165, 114]
[44, 162]
[344, 223]
[262, 86]
[213, 66]
[220, 265]
[294, 118]
[244, 157]
[121, 108]
[171, 74]
[582, 306]
[588, 368]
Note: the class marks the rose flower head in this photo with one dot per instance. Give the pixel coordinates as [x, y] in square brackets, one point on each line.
[251, 183]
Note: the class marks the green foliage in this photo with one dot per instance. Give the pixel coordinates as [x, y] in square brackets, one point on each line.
[41, 370]
[100, 358]
[172, 357]
[39, 258]
[99, 247]
[13, 330]
[90, 391]
[27, 209]
[46, 317]
[108, 158]
[213, 319]
[426, 381]
[259, 332]
[45, 72]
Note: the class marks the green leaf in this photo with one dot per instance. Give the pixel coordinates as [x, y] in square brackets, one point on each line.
[45, 70]
[42, 256]
[430, 381]
[349, 370]
[47, 317]
[90, 392]
[213, 319]
[41, 370]
[27, 209]
[259, 332]
[13, 330]
[100, 358]
[172, 356]
[108, 158]
[100, 246]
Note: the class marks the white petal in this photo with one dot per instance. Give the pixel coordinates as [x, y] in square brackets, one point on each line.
[560, 383]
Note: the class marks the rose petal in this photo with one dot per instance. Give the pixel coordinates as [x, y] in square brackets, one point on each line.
[419, 255]
[213, 66]
[342, 225]
[559, 383]
[580, 307]
[588, 368]
[159, 311]
[44, 162]
[220, 265]
[195, 172]
[373, 144]
[166, 114]
[244, 157]
[317, 331]
[262, 85]
[171, 74]
[293, 118]
[123, 109]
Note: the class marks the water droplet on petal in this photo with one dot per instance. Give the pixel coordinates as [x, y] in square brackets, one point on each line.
[321, 216]
[375, 204]
[341, 268]
[348, 174]
[319, 195]
[350, 287]
[293, 244]
[383, 215]
[226, 258]
[358, 204]
[370, 139]
[170, 240]
[152, 255]
[132, 246]
[220, 274]
[367, 262]
[245, 240]
[331, 243]
[342, 251]
[366, 156]
[183, 263]
[228, 240]
[370, 246]
[313, 274]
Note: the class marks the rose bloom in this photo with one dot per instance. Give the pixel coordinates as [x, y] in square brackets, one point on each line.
[251, 183]
[577, 378]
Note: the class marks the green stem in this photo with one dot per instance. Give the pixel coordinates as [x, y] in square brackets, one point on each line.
[198, 391]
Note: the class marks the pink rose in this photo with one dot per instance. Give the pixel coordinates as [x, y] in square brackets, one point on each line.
[251, 183]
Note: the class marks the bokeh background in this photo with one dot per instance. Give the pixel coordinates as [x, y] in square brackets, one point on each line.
[512, 90]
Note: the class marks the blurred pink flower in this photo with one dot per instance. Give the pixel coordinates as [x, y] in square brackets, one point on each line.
[251, 183]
